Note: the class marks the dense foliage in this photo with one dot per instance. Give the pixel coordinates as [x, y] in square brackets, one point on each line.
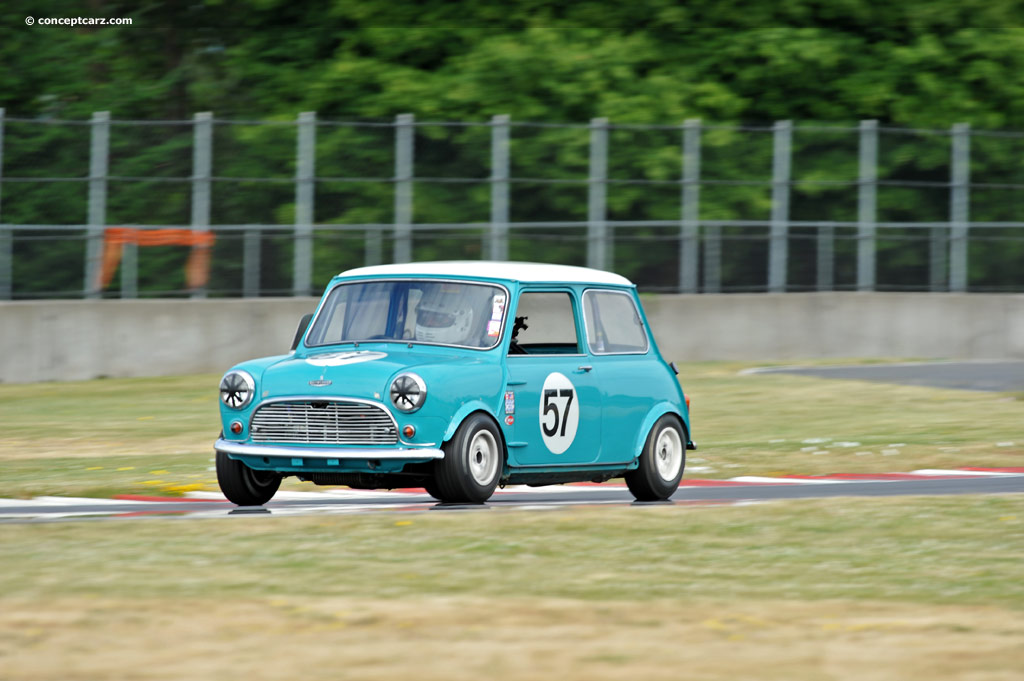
[922, 64]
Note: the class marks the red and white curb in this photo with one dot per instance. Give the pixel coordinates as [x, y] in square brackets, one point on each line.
[345, 500]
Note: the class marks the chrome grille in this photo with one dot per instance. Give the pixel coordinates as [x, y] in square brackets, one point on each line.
[323, 422]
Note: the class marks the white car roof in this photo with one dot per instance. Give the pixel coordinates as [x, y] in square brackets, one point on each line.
[515, 271]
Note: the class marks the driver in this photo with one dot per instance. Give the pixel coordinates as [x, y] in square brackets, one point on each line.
[446, 318]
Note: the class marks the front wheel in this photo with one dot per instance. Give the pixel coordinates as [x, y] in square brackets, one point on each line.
[243, 485]
[472, 463]
[661, 462]
[431, 488]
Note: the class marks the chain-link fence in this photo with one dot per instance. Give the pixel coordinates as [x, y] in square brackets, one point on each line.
[118, 208]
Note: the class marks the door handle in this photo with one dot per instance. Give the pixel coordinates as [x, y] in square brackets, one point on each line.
[585, 368]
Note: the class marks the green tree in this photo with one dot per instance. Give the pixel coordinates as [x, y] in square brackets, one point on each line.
[921, 64]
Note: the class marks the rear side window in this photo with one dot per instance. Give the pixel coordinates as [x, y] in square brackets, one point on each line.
[613, 323]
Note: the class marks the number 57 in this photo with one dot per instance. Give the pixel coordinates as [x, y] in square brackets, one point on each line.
[550, 405]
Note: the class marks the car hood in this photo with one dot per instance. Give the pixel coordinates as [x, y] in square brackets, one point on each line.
[365, 372]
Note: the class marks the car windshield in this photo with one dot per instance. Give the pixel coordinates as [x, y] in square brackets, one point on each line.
[437, 312]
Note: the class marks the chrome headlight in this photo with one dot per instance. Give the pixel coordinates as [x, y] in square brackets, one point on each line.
[408, 392]
[237, 389]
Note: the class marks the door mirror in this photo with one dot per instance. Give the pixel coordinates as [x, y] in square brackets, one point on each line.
[300, 332]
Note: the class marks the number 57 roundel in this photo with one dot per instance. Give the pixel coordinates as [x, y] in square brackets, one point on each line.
[559, 413]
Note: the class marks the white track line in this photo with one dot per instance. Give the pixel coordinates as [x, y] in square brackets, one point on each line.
[791, 481]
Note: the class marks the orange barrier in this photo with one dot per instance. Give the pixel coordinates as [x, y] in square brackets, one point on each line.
[197, 268]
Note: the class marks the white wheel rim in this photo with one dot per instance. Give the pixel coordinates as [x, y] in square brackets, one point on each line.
[483, 457]
[668, 453]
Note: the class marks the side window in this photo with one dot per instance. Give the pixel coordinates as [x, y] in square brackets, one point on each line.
[545, 324]
[613, 323]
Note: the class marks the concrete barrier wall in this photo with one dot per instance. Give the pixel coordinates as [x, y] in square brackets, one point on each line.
[797, 326]
[73, 340]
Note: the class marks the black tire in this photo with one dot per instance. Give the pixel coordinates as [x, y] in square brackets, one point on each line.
[472, 463]
[432, 489]
[243, 485]
[661, 462]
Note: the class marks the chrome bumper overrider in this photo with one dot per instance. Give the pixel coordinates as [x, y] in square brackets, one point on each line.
[408, 453]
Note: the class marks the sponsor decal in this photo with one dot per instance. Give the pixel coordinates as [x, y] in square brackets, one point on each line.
[510, 402]
[498, 308]
[338, 359]
[559, 413]
[497, 314]
[509, 420]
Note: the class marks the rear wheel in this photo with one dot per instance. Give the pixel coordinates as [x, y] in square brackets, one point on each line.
[661, 462]
[472, 463]
[243, 485]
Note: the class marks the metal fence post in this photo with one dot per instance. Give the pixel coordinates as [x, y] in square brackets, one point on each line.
[690, 228]
[305, 169]
[130, 270]
[959, 206]
[598, 251]
[252, 260]
[779, 239]
[98, 163]
[202, 151]
[826, 256]
[404, 150]
[6, 235]
[498, 236]
[867, 205]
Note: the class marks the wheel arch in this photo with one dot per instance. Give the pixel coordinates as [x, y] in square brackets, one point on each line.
[656, 412]
[467, 410]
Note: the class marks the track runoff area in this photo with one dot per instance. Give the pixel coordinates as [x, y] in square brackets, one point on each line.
[983, 375]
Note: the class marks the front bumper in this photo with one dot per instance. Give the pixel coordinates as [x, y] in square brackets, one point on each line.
[410, 454]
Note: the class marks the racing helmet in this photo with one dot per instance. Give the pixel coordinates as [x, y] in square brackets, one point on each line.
[444, 319]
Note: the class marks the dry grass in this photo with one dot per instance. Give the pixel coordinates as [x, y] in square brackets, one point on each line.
[839, 589]
[455, 638]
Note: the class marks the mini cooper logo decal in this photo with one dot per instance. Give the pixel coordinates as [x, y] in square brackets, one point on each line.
[319, 383]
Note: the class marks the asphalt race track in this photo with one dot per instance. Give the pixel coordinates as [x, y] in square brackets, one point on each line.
[986, 375]
[346, 501]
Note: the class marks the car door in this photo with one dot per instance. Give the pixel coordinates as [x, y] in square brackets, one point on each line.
[552, 391]
[620, 352]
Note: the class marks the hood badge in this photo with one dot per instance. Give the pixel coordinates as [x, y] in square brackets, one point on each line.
[320, 383]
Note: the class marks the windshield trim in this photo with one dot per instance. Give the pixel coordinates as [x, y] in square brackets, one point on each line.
[407, 341]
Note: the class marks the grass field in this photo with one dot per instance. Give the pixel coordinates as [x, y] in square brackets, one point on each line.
[886, 589]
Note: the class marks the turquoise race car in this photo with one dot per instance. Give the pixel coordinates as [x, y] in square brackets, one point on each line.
[458, 377]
